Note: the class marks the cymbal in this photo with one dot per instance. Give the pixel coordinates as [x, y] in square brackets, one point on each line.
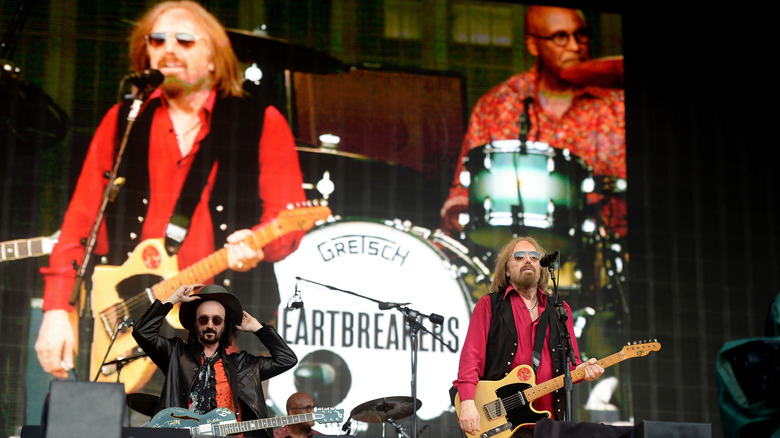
[386, 408]
[602, 72]
[143, 403]
[333, 152]
[281, 54]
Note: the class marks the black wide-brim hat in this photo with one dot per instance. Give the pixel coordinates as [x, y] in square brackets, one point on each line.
[211, 292]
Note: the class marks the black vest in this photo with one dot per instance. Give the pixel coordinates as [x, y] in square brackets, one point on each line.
[502, 344]
[232, 141]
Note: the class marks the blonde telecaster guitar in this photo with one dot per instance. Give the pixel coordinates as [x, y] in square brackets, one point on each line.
[505, 405]
[120, 292]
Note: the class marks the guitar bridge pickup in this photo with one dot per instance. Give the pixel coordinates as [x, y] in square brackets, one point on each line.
[494, 409]
[496, 430]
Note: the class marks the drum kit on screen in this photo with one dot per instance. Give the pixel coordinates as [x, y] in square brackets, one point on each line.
[515, 187]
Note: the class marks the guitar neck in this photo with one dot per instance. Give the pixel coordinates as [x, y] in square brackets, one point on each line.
[215, 263]
[264, 423]
[551, 385]
[23, 248]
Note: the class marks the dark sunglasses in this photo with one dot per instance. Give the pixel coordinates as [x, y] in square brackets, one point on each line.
[561, 38]
[158, 39]
[204, 320]
[520, 255]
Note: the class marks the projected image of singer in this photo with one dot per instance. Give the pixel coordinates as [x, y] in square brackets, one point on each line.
[200, 156]
[544, 105]
[501, 337]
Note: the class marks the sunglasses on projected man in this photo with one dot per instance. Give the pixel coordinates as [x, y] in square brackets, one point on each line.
[185, 39]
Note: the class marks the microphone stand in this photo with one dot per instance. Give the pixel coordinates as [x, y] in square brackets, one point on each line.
[413, 318]
[525, 124]
[86, 319]
[564, 343]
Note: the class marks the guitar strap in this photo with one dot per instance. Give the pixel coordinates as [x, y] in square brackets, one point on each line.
[541, 331]
[190, 194]
[232, 142]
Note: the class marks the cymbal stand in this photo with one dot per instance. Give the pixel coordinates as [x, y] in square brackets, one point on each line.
[399, 429]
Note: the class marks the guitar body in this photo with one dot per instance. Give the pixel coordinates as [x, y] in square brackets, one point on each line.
[505, 405]
[515, 415]
[180, 418]
[120, 292]
[222, 421]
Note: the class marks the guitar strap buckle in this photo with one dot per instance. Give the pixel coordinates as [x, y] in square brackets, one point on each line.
[175, 233]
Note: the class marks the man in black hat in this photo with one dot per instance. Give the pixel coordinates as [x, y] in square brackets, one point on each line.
[200, 374]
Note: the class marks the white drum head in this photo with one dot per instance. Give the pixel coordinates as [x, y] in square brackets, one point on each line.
[349, 350]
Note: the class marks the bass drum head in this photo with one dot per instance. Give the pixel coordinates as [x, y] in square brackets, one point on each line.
[350, 351]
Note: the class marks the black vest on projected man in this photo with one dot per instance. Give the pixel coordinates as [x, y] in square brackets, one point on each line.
[499, 352]
[232, 142]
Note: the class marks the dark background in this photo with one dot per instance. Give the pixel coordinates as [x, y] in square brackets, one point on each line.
[703, 216]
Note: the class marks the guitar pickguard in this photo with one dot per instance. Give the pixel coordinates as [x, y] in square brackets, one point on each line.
[518, 411]
[130, 290]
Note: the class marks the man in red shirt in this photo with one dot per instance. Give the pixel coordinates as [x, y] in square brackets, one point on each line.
[519, 289]
[588, 121]
[239, 156]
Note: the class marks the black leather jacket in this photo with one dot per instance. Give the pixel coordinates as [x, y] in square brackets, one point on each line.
[180, 364]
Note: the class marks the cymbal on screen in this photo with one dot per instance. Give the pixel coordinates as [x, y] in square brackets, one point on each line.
[281, 54]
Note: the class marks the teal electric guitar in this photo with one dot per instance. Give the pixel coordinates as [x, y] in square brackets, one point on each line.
[222, 421]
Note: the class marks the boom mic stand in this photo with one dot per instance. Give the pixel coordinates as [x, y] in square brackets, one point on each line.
[86, 320]
[414, 319]
[564, 342]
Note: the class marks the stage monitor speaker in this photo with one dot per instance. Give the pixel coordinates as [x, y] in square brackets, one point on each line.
[84, 409]
[666, 429]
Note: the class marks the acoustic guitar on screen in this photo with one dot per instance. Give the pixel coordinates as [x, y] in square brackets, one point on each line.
[506, 405]
[121, 292]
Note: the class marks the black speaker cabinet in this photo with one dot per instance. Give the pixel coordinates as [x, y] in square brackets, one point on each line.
[84, 409]
[666, 429]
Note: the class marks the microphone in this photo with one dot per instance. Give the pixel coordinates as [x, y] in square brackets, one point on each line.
[295, 302]
[549, 259]
[147, 78]
[436, 318]
[126, 323]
